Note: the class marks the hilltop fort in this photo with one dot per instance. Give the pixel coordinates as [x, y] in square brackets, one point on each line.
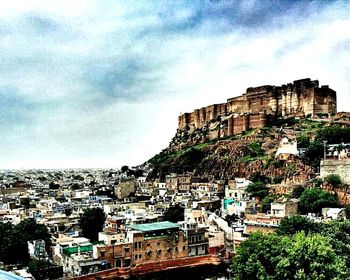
[261, 105]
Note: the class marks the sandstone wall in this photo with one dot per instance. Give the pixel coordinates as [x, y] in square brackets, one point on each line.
[342, 193]
[340, 167]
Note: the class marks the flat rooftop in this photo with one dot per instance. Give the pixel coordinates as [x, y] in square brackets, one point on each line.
[154, 226]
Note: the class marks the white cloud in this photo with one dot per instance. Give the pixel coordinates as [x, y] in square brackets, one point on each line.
[102, 83]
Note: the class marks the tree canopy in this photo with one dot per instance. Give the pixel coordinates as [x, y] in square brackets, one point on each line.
[334, 134]
[294, 224]
[333, 179]
[313, 200]
[257, 189]
[91, 223]
[14, 238]
[298, 256]
[338, 232]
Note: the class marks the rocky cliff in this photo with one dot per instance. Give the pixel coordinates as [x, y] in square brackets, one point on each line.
[252, 151]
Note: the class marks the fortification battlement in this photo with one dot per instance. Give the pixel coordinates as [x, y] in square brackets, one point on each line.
[258, 105]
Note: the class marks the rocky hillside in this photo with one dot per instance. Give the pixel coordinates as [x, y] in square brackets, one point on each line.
[251, 153]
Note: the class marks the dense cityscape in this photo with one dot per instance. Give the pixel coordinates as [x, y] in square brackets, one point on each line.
[166, 140]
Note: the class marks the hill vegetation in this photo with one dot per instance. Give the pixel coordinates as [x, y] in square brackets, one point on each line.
[252, 151]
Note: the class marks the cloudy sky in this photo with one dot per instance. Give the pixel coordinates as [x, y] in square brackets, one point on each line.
[101, 83]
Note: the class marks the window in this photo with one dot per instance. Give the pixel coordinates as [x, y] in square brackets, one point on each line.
[135, 257]
[184, 248]
[102, 254]
[140, 256]
[159, 251]
[126, 250]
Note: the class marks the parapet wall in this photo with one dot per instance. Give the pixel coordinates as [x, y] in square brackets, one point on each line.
[252, 109]
[142, 269]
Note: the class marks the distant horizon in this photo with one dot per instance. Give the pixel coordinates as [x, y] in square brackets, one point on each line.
[100, 84]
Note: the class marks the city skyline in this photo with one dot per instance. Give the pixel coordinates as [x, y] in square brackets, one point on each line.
[101, 84]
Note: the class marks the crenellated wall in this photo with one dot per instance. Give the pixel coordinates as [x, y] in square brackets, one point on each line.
[260, 104]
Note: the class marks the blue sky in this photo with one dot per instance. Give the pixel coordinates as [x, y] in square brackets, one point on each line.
[101, 83]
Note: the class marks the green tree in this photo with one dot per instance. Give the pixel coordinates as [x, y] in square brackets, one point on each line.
[174, 213]
[257, 189]
[30, 230]
[258, 177]
[313, 200]
[297, 191]
[303, 141]
[317, 182]
[91, 223]
[296, 223]
[258, 256]
[314, 154]
[334, 134]
[13, 240]
[333, 179]
[311, 257]
[300, 256]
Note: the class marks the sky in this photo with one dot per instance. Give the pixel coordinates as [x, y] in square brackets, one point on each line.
[100, 84]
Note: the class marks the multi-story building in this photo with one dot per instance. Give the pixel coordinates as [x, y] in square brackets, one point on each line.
[198, 242]
[156, 242]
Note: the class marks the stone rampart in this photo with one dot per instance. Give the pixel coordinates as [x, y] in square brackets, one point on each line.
[252, 109]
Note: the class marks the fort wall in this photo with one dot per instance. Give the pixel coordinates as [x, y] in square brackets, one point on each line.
[258, 105]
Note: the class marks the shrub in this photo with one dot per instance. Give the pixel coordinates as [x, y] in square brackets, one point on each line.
[333, 179]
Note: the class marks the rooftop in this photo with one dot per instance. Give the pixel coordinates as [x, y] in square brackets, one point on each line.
[154, 226]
